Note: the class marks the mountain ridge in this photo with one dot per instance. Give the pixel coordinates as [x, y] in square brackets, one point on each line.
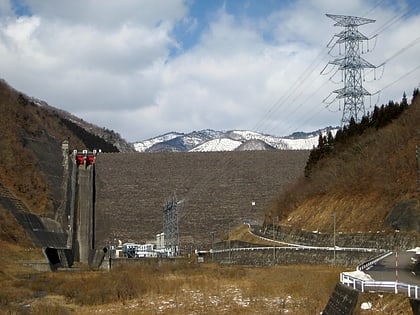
[109, 136]
[209, 140]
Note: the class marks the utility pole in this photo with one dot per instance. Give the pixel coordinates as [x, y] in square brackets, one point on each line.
[334, 237]
[396, 270]
[230, 247]
[418, 166]
[274, 247]
[274, 238]
[212, 245]
[351, 65]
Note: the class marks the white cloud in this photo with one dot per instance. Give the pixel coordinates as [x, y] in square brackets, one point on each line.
[5, 8]
[109, 14]
[111, 63]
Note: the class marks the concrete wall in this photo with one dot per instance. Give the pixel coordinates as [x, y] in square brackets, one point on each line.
[290, 256]
[384, 240]
[343, 301]
[85, 212]
[415, 306]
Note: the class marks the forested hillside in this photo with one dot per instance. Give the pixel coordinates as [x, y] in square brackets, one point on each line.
[366, 176]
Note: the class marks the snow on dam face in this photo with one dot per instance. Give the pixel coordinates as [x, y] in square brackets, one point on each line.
[217, 190]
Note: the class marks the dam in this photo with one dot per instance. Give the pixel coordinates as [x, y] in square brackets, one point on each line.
[111, 197]
[217, 191]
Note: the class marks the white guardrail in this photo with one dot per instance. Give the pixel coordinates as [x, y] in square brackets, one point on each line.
[294, 248]
[362, 285]
[358, 279]
[361, 281]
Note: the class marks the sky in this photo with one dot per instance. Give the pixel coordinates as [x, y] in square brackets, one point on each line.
[147, 67]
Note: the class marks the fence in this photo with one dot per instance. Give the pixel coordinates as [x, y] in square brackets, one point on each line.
[363, 285]
[372, 261]
[369, 284]
[297, 248]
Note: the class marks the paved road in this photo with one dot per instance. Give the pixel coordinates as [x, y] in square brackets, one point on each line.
[384, 270]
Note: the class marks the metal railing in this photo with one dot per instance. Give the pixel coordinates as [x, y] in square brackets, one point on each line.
[362, 285]
[371, 262]
[297, 248]
[412, 291]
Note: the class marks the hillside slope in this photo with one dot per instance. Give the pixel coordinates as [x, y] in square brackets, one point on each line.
[30, 148]
[369, 183]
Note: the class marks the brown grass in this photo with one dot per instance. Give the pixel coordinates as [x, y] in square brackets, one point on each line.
[360, 182]
[386, 304]
[183, 288]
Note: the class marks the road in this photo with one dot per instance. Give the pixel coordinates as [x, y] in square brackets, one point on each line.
[385, 270]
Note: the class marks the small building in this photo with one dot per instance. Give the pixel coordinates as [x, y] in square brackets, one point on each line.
[133, 250]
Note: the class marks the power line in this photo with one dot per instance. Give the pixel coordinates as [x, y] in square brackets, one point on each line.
[385, 26]
[395, 19]
[404, 49]
[374, 7]
[293, 88]
[310, 96]
[399, 79]
[296, 89]
[274, 108]
[351, 65]
[378, 92]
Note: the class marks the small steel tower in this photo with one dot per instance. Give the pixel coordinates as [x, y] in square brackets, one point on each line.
[170, 225]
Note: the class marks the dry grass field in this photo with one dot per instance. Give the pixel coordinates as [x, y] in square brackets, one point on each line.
[182, 288]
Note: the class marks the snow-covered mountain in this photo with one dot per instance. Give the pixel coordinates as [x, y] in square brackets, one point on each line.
[210, 140]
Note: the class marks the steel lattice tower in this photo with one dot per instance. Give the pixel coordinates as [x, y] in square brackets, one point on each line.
[170, 224]
[351, 65]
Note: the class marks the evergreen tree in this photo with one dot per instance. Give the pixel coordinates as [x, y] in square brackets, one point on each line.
[380, 117]
[415, 93]
[330, 139]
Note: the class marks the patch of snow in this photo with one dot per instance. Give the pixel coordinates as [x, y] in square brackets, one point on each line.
[223, 144]
[301, 144]
[358, 274]
[366, 306]
[142, 146]
[415, 250]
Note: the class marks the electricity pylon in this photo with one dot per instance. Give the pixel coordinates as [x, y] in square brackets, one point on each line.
[351, 65]
[170, 224]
